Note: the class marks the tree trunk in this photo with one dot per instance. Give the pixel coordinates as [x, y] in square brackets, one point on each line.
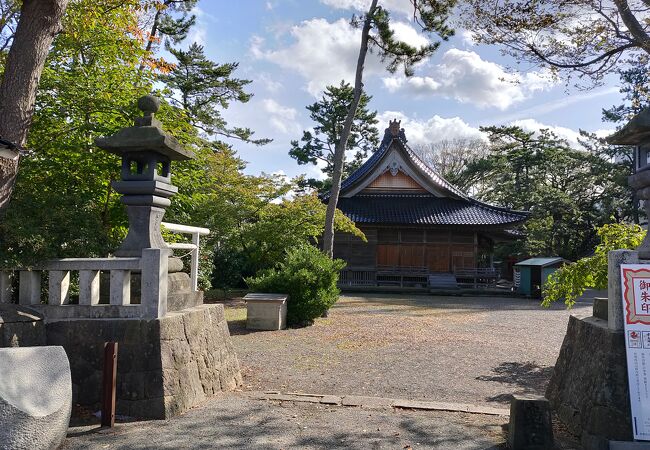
[339, 151]
[39, 22]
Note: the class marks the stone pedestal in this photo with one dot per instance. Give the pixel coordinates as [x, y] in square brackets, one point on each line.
[165, 366]
[589, 388]
[266, 311]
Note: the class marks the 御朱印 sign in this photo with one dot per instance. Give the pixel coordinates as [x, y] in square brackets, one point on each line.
[635, 280]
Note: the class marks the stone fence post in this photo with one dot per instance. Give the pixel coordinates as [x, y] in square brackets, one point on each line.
[614, 294]
[155, 265]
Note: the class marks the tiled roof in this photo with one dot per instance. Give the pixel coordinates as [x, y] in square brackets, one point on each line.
[425, 210]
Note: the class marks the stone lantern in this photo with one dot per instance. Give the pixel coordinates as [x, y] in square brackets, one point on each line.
[147, 152]
[637, 133]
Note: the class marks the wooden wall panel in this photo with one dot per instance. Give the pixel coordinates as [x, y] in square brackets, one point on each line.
[389, 182]
[412, 255]
[438, 258]
[388, 255]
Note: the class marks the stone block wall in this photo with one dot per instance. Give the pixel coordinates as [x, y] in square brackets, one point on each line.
[165, 366]
[588, 389]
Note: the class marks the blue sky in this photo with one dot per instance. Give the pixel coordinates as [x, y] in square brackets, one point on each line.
[291, 49]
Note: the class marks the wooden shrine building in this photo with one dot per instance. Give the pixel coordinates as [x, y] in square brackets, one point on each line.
[422, 231]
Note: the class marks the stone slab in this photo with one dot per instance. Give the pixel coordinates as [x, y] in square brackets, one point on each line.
[627, 445]
[454, 407]
[366, 402]
[330, 400]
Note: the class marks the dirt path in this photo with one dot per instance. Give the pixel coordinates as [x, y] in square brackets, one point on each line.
[459, 349]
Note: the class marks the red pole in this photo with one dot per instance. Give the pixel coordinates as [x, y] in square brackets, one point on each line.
[109, 383]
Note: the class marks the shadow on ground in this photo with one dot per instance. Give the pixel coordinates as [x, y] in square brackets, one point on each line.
[237, 422]
[526, 378]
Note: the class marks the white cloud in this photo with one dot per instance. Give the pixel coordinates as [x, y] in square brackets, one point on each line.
[406, 33]
[467, 78]
[434, 129]
[271, 85]
[404, 7]
[325, 53]
[322, 52]
[466, 37]
[282, 118]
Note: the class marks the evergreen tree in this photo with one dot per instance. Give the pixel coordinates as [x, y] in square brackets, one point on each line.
[329, 114]
[202, 87]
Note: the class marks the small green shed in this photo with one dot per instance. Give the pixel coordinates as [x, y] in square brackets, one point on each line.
[530, 275]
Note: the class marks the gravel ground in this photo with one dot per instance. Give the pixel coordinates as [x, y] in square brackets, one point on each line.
[457, 349]
[235, 421]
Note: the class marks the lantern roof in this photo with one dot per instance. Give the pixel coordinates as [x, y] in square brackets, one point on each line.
[146, 135]
[635, 132]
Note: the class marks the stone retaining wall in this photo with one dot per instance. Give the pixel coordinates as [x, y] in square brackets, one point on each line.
[165, 366]
[588, 389]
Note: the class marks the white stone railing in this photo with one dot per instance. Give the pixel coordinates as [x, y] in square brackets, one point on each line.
[153, 266]
[195, 232]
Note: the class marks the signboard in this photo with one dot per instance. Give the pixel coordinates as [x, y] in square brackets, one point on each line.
[635, 280]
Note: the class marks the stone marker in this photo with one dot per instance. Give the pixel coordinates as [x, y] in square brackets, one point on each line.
[530, 423]
[601, 307]
[35, 397]
[266, 311]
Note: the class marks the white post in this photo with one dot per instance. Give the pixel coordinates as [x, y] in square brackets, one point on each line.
[154, 267]
[5, 286]
[59, 287]
[89, 287]
[120, 289]
[29, 290]
[194, 267]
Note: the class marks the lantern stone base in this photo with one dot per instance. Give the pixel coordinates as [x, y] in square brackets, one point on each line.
[589, 389]
[165, 366]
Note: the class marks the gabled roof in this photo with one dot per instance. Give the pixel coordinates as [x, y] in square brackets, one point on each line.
[441, 204]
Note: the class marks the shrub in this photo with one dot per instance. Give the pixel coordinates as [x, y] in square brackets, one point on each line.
[308, 276]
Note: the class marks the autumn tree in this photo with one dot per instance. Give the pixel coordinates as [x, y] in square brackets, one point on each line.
[377, 36]
[38, 23]
[329, 114]
[589, 37]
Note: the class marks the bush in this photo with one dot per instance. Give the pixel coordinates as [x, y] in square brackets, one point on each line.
[308, 276]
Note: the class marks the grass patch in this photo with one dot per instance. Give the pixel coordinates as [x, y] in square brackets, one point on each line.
[235, 314]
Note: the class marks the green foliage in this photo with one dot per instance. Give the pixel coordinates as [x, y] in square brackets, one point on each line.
[570, 281]
[431, 17]
[329, 115]
[567, 191]
[205, 87]
[308, 276]
[63, 204]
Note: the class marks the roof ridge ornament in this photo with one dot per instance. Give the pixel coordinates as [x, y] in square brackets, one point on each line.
[394, 131]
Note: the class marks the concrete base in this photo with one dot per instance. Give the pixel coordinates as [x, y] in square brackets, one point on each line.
[165, 366]
[589, 389]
